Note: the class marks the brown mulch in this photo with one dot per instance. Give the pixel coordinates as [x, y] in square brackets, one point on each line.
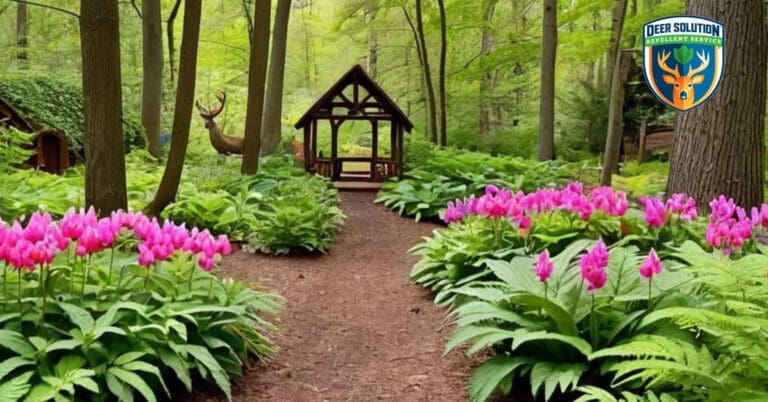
[354, 327]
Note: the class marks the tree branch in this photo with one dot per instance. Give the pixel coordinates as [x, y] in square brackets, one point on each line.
[61, 10]
[135, 7]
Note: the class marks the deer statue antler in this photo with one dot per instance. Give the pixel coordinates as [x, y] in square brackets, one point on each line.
[704, 58]
[662, 59]
[209, 112]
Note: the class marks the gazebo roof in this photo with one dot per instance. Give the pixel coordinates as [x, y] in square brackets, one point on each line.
[356, 75]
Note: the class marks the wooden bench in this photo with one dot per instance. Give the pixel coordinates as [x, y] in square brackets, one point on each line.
[661, 139]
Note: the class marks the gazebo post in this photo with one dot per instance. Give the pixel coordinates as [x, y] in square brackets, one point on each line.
[314, 141]
[334, 149]
[393, 150]
[399, 151]
[307, 139]
[374, 147]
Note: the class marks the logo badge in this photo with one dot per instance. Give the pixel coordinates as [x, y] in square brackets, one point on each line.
[683, 59]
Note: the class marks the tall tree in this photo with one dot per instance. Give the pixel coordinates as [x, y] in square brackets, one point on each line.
[182, 116]
[615, 117]
[257, 77]
[488, 79]
[546, 150]
[443, 140]
[373, 42]
[105, 183]
[21, 36]
[152, 88]
[273, 107]
[617, 26]
[619, 75]
[421, 47]
[169, 33]
[719, 146]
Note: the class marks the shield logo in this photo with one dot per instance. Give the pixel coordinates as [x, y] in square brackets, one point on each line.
[683, 59]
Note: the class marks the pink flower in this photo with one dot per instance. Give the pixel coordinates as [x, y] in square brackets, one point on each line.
[608, 201]
[543, 266]
[651, 265]
[88, 243]
[722, 209]
[105, 232]
[223, 246]
[655, 212]
[593, 265]
[683, 205]
[146, 257]
[206, 263]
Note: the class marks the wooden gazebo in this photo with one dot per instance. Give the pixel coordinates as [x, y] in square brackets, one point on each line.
[355, 97]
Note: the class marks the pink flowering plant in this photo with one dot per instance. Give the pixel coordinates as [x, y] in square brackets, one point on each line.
[558, 314]
[121, 305]
[573, 289]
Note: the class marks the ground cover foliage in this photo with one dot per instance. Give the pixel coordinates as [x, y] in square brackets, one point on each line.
[581, 294]
[122, 308]
[280, 210]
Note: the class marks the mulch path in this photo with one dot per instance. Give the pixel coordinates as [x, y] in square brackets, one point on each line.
[354, 328]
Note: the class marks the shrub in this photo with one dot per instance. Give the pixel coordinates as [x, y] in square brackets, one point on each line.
[83, 319]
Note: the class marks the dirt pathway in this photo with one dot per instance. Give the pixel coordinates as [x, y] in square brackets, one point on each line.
[354, 327]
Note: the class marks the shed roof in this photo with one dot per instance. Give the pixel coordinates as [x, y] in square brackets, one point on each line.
[357, 75]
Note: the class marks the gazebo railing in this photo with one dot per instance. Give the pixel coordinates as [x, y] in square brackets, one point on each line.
[383, 169]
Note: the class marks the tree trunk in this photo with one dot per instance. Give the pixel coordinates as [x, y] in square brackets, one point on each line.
[615, 118]
[152, 90]
[257, 77]
[719, 146]
[169, 33]
[373, 43]
[273, 109]
[182, 114]
[617, 26]
[547, 104]
[487, 81]
[105, 184]
[21, 36]
[427, 70]
[441, 75]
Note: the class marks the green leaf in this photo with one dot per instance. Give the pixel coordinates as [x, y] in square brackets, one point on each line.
[16, 343]
[128, 357]
[177, 365]
[133, 380]
[69, 363]
[118, 388]
[486, 378]
[79, 316]
[41, 393]
[577, 343]
[202, 355]
[16, 388]
[9, 365]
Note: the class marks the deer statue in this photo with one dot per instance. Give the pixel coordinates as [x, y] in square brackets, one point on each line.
[223, 144]
[682, 86]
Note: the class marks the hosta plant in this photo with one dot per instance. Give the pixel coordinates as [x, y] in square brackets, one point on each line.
[121, 308]
[548, 320]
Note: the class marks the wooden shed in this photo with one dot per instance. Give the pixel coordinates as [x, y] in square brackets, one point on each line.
[355, 96]
[51, 147]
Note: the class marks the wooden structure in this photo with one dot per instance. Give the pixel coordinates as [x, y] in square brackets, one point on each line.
[355, 97]
[51, 146]
[657, 139]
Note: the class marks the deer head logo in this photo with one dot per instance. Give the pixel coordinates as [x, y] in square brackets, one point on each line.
[683, 85]
[683, 59]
